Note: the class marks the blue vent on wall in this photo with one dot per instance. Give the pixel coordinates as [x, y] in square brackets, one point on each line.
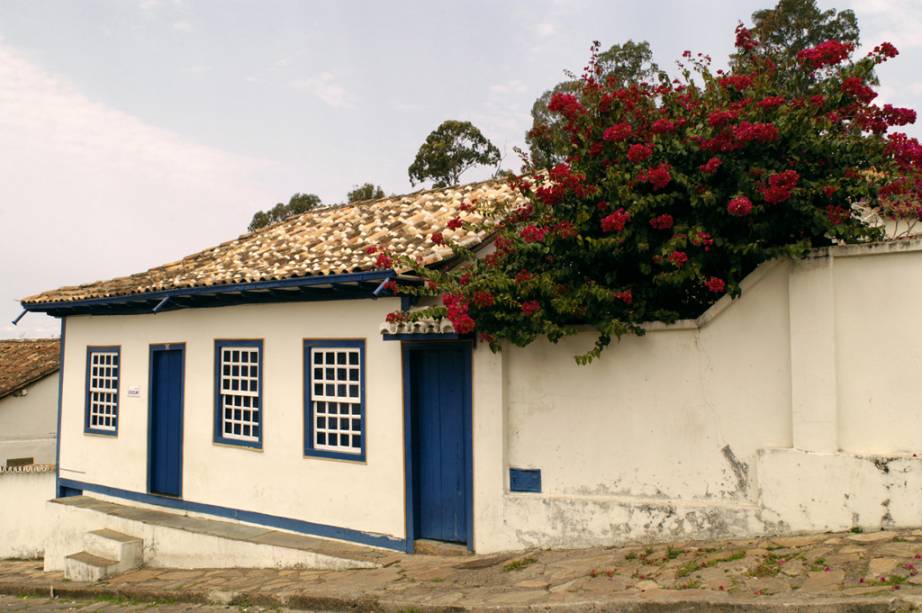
[525, 480]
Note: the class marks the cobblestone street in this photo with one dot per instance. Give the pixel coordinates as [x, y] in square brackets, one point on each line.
[871, 569]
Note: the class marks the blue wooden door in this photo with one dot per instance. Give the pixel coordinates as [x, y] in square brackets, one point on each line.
[166, 391]
[440, 393]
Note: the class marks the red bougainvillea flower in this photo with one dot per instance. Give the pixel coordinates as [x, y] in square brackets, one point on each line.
[371, 249]
[658, 176]
[567, 105]
[779, 186]
[533, 234]
[384, 261]
[740, 206]
[437, 238]
[454, 224]
[720, 118]
[626, 296]
[457, 309]
[715, 284]
[661, 222]
[531, 307]
[886, 50]
[522, 276]
[616, 221]
[395, 316]
[702, 239]
[711, 165]
[745, 39]
[678, 258]
[737, 82]
[836, 214]
[617, 132]
[854, 86]
[391, 286]
[431, 285]
[770, 102]
[483, 299]
[828, 53]
[763, 132]
[662, 126]
[639, 153]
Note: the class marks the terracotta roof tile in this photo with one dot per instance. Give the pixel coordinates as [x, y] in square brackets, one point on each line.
[25, 361]
[325, 241]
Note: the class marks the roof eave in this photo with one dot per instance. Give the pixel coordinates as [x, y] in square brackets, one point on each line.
[355, 285]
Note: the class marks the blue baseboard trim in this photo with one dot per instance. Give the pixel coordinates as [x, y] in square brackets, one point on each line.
[252, 517]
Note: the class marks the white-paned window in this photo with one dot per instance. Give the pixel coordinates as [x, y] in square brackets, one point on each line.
[336, 406]
[239, 392]
[102, 378]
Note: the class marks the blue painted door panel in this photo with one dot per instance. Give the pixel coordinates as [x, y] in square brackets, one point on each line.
[439, 379]
[166, 422]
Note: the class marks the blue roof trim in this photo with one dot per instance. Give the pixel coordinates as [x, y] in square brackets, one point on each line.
[160, 297]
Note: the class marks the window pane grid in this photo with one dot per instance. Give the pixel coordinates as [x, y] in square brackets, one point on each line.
[239, 386]
[103, 391]
[336, 400]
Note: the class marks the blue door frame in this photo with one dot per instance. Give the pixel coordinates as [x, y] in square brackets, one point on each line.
[410, 445]
[165, 421]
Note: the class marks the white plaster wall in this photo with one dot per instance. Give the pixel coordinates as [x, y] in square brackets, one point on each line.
[25, 520]
[276, 480]
[656, 438]
[28, 423]
[816, 491]
[879, 352]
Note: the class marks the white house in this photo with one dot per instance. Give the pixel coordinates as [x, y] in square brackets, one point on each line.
[28, 401]
[258, 381]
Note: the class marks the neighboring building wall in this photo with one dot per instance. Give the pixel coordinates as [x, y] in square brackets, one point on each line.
[28, 422]
[276, 480]
[25, 518]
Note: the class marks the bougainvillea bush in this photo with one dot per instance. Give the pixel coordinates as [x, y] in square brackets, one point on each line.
[674, 191]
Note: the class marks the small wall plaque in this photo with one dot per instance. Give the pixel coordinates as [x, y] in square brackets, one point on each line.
[134, 391]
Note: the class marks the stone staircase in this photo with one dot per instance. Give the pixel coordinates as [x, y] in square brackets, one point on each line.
[106, 553]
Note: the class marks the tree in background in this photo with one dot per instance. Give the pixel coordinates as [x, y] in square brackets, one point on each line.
[297, 204]
[791, 27]
[548, 142]
[450, 150]
[365, 191]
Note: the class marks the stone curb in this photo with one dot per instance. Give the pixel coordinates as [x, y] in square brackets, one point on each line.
[319, 602]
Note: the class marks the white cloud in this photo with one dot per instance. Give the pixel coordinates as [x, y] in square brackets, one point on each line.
[182, 26]
[545, 29]
[89, 192]
[896, 21]
[326, 87]
[510, 87]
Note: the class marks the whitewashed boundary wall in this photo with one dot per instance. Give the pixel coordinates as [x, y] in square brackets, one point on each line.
[24, 517]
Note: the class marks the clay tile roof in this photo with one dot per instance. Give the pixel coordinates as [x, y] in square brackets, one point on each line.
[326, 241]
[23, 362]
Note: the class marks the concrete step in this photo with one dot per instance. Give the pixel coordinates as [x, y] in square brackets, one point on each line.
[127, 550]
[86, 567]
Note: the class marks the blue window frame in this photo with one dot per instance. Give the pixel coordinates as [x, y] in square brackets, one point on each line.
[103, 373]
[239, 414]
[334, 399]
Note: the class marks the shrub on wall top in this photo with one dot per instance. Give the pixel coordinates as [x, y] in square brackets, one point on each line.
[674, 191]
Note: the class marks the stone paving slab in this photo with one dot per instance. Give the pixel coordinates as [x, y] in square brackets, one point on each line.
[818, 572]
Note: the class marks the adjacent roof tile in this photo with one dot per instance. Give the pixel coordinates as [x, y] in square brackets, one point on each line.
[325, 241]
[23, 362]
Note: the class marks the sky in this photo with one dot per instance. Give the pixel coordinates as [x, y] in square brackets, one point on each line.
[135, 132]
